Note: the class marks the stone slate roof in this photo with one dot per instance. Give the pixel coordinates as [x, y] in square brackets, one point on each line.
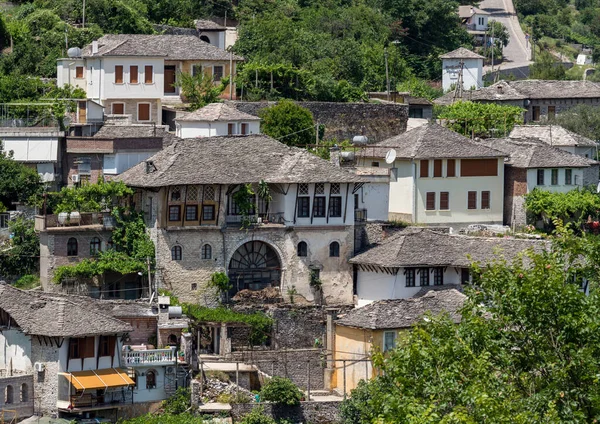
[134, 131]
[430, 141]
[405, 313]
[206, 25]
[46, 314]
[218, 112]
[461, 53]
[415, 247]
[171, 47]
[555, 135]
[527, 89]
[418, 101]
[468, 11]
[234, 160]
[532, 153]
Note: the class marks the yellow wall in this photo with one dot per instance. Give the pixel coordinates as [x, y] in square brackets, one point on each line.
[352, 344]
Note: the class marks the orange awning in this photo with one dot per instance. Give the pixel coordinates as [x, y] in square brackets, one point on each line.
[100, 379]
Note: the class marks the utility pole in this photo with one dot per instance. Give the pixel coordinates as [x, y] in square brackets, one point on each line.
[317, 134]
[83, 16]
[387, 74]
[149, 277]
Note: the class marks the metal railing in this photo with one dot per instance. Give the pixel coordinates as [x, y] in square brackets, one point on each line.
[135, 358]
[261, 218]
[89, 400]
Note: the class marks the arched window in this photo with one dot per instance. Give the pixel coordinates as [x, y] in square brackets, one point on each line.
[334, 250]
[205, 38]
[95, 246]
[206, 251]
[176, 253]
[9, 396]
[150, 379]
[24, 393]
[72, 247]
[172, 339]
[302, 249]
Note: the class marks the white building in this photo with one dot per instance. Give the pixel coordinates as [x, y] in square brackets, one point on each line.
[137, 74]
[462, 64]
[559, 137]
[475, 21]
[417, 258]
[439, 177]
[216, 119]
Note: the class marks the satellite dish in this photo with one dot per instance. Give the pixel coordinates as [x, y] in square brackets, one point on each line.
[390, 157]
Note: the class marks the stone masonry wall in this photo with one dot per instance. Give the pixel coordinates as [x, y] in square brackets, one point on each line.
[515, 187]
[306, 412]
[45, 383]
[345, 120]
[144, 328]
[590, 175]
[20, 388]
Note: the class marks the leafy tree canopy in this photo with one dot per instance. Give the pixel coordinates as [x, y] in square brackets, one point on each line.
[289, 123]
[546, 67]
[481, 119]
[573, 207]
[18, 183]
[581, 119]
[200, 90]
[22, 255]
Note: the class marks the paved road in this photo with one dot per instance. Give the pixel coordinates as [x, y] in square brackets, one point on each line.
[517, 52]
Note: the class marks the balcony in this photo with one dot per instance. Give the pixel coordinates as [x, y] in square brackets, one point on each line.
[261, 219]
[81, 221]
[143, 358]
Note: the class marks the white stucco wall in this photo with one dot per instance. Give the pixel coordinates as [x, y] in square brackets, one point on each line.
[65, 73]
[475, 18]
[141, 393]
[194, 129]
[111, 90]
[15, 351]
[216, 38]
[375, 197]
[472, 73]
[347, 206]
[32, 149]
[401, 189]
[577, 175]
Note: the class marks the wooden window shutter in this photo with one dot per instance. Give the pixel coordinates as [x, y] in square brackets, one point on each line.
[79, 72]
[133, 74]
[230, 129]
[119, 74]
[112, 341]
[437, 168]
[472, 200]
[430, 203]
[485, 200]
[148, 74]
[143, 112]
[451, 171]
[118, 108]
[479, 167]
[424, 169]
[87, 346]
[444, 200]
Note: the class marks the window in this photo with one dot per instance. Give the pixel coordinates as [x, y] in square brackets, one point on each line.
[209, 193]
[217, 73]
[568, 176]
[430, 201]
[335, 207]
[175, 213]
[82, 347]
[150, 379]
[554, 177]
[334, 250]
[143, 111]
[10, 395]
[196, 69]
[118, 108]
[451, 168]
[79, 72]
[485, 200]
[194, 286]
[243, 128]
[335, 188]
[375, 164]
[415, 112]
[389, 340]
[319, 207]
[148, 74]
[303, 201]
[302, 249]
[540, 177]
[551, 112]
[24, 393]
[423, 277]
[95, 246]
[133, 74]
[424, 170]
[410, 277]
[72, 247]
[206, 251]
[119, 74]
[208, 212]
[176, 253]
[191, 194]
[230, 129]
[536, 113]
[107, 346]
[74, 348]
[191, 213]
[479, 167]
[472, 200]
[444, 200]
[176, 194]
[465, 276]
[481, 21]
[320, 188]
[437, 168]
[438, 276]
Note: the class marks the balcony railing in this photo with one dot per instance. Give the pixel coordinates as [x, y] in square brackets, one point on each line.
[75, 219]
[106, 398]
[139, 358]
[360, 215]
[262, 218]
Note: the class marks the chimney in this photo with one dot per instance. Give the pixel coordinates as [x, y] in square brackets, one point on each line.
[500, 89]
[334, 155]
[150, 168]
[95, 47]
[60, 318]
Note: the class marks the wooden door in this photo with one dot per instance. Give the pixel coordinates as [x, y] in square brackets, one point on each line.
[551, 112]
[536, 113]
[170, 80]
[81, 112]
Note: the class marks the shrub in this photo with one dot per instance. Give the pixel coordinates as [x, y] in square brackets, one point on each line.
[27, 282]
[257, 416]
[178, 403]
[281, 391]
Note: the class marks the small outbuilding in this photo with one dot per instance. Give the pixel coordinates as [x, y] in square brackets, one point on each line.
[216, 119]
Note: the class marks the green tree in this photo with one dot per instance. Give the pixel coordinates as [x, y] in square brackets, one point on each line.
[289, 123]
[257, 416]
[200, 90]
[281, 391]
[499, 32]
[18, 183]
[573, 207]
[22, 256]
[581, 119]
[481, 119]
[526, 350]
[546, 67]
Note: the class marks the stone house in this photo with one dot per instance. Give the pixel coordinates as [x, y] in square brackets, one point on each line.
[541, 99]
[534, 164]
[135, 74]
[559, 137]
[475, 21]
[302, 232]
[462, 65]
[439, 177]
[216, 119]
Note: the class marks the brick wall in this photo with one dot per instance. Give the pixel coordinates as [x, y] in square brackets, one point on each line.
[515, 187]
[16, 394]
[306, 412]
[144, 328]
[71, 168]
[131, 106]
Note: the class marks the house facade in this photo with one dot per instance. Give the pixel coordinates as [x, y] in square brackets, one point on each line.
[216, 119]
[439, 177]
[475, 21]
[462, 65]
[297, 237]
[136, 74]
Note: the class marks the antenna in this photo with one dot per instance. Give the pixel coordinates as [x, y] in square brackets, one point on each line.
[390, 156]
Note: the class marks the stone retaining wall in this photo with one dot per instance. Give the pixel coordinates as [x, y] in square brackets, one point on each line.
[307, 412]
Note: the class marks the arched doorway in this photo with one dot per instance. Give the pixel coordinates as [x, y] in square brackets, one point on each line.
[254, 266]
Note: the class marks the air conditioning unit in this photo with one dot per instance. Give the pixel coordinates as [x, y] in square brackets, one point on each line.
[39, 367]
[75, 178]
[170, 370]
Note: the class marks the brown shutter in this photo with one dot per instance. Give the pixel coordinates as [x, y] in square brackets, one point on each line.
[79, 72]
[444, 200]
[472, 200]
[119, 74]
[143, 112]
[118, 108]
[112, 341]
[133, 74]
[148, 74]
[244, 129]
[479, 167]
[87, 347]
[230, 129]
[424, 169]
[437, 168]
[485, 200]
[430, 204]
[451, 171]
